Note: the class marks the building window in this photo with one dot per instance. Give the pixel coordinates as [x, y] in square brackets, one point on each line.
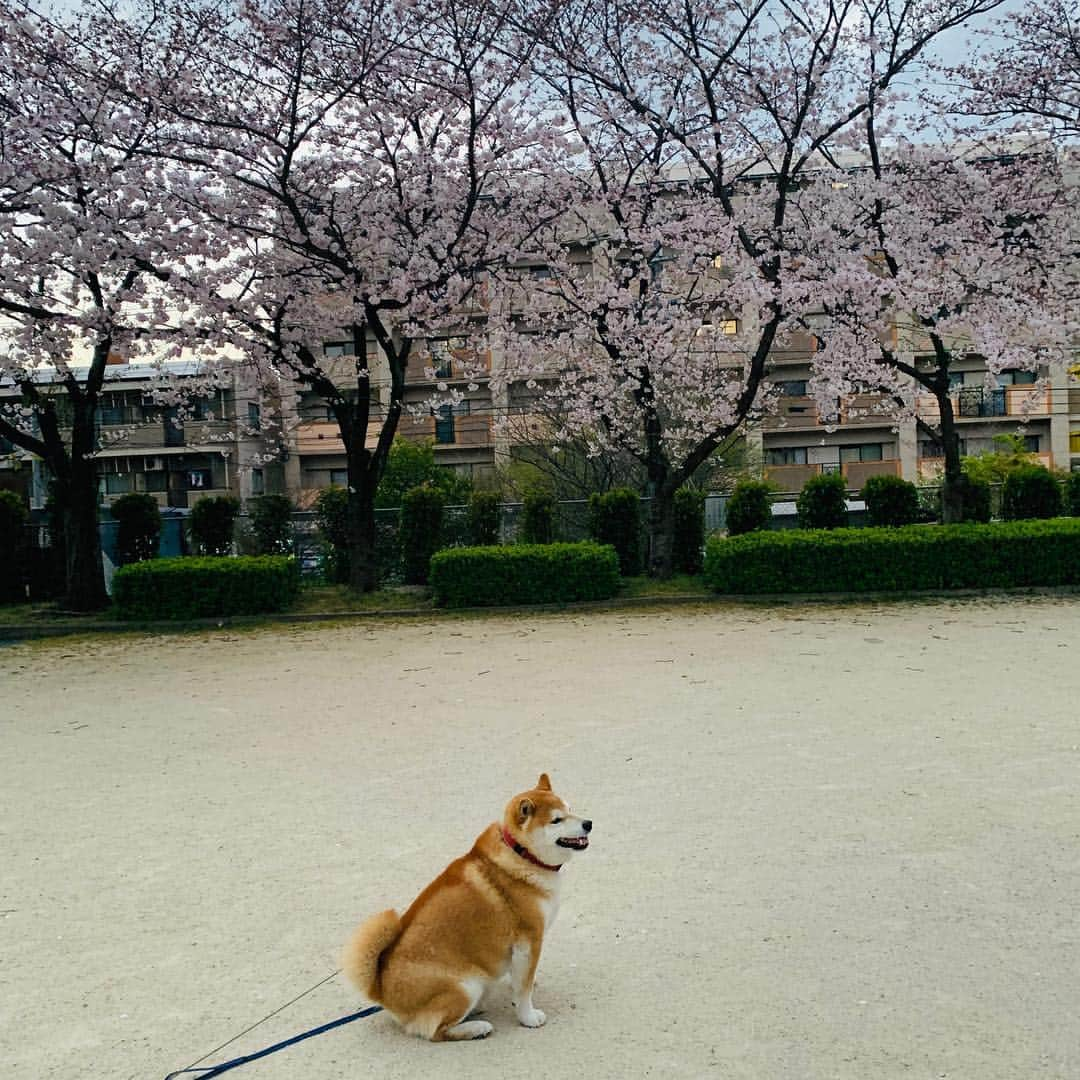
[786, 455]
[866, 452]
[339, 348]
[199, 480]
[1016, 378]
[254, 416]
[257, 484]
[1074, 442]
[339, 477]
[155, 480]
[792, 388]
[117, 483]
[444, 424]
[728, 327]
[1031, 444]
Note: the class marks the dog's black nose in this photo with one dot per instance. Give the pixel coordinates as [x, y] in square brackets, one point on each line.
[587, 826]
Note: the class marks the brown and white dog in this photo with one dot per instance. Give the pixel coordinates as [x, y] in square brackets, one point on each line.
[483, 918]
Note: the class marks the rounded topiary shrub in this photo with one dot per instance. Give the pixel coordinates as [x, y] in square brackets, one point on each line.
[1072, 495]
[1030, 492]
[270, 520]
[331, 515]
[537, 517]
[689, 531]
[890, 500]
[749, 508]
[484, 518]
[615, 519]
[13, 519]
[822, 503]
[976, 499]
[211, 524]
[421, 531]
[139, 527]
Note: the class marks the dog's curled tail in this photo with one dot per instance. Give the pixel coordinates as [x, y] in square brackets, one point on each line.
[372, 938]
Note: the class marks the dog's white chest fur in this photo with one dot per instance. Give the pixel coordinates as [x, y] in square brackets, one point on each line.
[549, 908]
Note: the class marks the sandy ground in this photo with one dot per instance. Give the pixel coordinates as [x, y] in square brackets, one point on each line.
[830, 842]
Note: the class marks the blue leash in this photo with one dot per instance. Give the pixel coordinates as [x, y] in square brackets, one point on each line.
[207, 1071]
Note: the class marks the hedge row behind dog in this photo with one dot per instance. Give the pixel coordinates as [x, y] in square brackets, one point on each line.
[482, 919]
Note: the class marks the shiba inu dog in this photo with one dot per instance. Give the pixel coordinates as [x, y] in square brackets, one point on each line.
[482, 919]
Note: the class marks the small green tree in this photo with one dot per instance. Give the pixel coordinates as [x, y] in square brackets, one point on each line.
[139, 527]
[995, 465]
[211, 524]
[890, 500]
[689, 530]
[484, 515]
[822, 503]
[421, 531]
[1030, 492]
[13, 520]
[750, 507]
[615, 518]
[411, 463]
[331, 513]
[270, 519]
[537, 517]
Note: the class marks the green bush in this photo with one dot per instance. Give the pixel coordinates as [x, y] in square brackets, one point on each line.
[484, 515]
[270, 520]
[192, 588]
[615, 519]
[1030, 492]
[139, 527]
[822, 503]
[890, 501]
[537, 517]
[1072, 495]
[689, 530]
[977, 494]
[524, 574]
[914, 557]
[411, 463]
[211, 524]
[749, 508]
[421, 531]
[13, 519]
[331, 516]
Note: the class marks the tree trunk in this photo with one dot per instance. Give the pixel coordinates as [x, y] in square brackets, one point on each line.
[84, 573]
[661, 529]
[952, 491]
[363, 564]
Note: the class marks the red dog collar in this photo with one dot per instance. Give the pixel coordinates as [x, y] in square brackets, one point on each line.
[524, 852]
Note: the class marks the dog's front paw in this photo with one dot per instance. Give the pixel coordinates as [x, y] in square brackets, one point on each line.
[533, 1018]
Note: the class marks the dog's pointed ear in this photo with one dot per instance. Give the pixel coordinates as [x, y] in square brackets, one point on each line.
[525, 809]
[543, 784]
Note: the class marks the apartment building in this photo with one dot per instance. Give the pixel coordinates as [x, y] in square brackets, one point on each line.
[215, 444]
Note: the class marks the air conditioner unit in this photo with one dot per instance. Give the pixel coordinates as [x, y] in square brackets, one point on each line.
[153, 464]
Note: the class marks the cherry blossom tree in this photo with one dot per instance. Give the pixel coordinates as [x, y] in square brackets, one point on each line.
[701, 129]
[87, 239]
[359, 155]
[954, 253]
[1030, 71]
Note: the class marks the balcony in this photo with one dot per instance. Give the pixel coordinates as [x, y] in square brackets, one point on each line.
[855, 473]
[797, 413]
[978, 403]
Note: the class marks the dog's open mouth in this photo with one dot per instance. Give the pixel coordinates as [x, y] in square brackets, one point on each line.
[578, 843]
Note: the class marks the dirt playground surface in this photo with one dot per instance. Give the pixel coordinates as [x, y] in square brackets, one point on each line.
[830, 842]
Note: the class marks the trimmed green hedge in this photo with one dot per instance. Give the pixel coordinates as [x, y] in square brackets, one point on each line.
[524, 574]
[192, 588]
[886, 560]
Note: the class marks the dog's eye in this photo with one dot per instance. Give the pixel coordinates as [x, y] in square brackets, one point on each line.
[557, 820]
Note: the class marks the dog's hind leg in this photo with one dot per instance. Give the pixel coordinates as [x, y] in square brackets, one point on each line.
[444, 1018]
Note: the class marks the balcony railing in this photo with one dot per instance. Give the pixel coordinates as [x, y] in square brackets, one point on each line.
[976, 402]
[855, 473]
